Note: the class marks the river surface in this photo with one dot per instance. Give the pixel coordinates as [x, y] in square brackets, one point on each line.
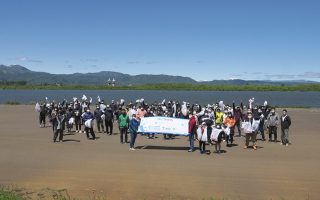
[303, 99]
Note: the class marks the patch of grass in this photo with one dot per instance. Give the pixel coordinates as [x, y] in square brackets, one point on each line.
[13, 192]
[8, 194]
[17, 193]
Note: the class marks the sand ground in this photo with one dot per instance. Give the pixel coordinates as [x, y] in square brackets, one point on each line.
[160, 169]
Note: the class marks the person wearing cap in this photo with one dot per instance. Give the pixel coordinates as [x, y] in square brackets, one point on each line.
[230, 123]
[123, 125]
[108, 120]
[285, 124]
[250, 128]
[133, 128]
[273, 121]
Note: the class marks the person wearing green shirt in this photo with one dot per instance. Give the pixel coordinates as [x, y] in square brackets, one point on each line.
[123, 125]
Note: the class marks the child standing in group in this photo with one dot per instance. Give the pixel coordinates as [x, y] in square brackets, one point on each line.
[202, 137]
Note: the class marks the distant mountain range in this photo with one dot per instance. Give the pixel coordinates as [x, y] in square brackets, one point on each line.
[20, 73]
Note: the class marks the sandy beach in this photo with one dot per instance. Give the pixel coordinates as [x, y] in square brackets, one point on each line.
[158, 169]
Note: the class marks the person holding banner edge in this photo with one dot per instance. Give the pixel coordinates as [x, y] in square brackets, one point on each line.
[192, 132]
[133, 128]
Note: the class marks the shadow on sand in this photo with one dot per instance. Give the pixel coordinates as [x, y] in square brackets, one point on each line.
[71, 140]
[162, 148]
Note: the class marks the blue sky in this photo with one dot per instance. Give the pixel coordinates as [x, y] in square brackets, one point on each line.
[201, 39]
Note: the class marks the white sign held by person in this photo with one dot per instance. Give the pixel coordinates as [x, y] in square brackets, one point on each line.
[164, 125]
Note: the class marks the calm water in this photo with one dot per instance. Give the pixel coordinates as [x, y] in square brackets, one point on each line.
[308, 99]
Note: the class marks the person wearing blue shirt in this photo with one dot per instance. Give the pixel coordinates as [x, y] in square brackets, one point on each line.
[88, 124]
[134, 125]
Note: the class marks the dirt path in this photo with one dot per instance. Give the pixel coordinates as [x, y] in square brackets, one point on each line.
[160, 169]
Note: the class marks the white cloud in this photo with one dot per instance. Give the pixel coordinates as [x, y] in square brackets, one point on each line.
[27, 59]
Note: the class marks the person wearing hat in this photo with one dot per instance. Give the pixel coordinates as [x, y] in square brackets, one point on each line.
[250, 128]
[285, 124]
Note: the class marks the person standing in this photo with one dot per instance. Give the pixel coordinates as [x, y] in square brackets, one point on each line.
[98, 116]
[42, 115]
[202, 137]
[88, 118]
[59, 126]
[272, 123]
[285, 124]
[77, 114]
[219, 116]
[69, 118]
[230, 123]
[109, 120]
[123, 125]
[134, 125]
[192, 131]
[238, 117]
[250, 128]
[261, 125]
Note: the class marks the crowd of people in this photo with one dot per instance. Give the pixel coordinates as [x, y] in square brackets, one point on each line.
[209, 125]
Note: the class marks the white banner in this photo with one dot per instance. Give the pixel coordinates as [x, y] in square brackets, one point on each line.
[164, 125]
